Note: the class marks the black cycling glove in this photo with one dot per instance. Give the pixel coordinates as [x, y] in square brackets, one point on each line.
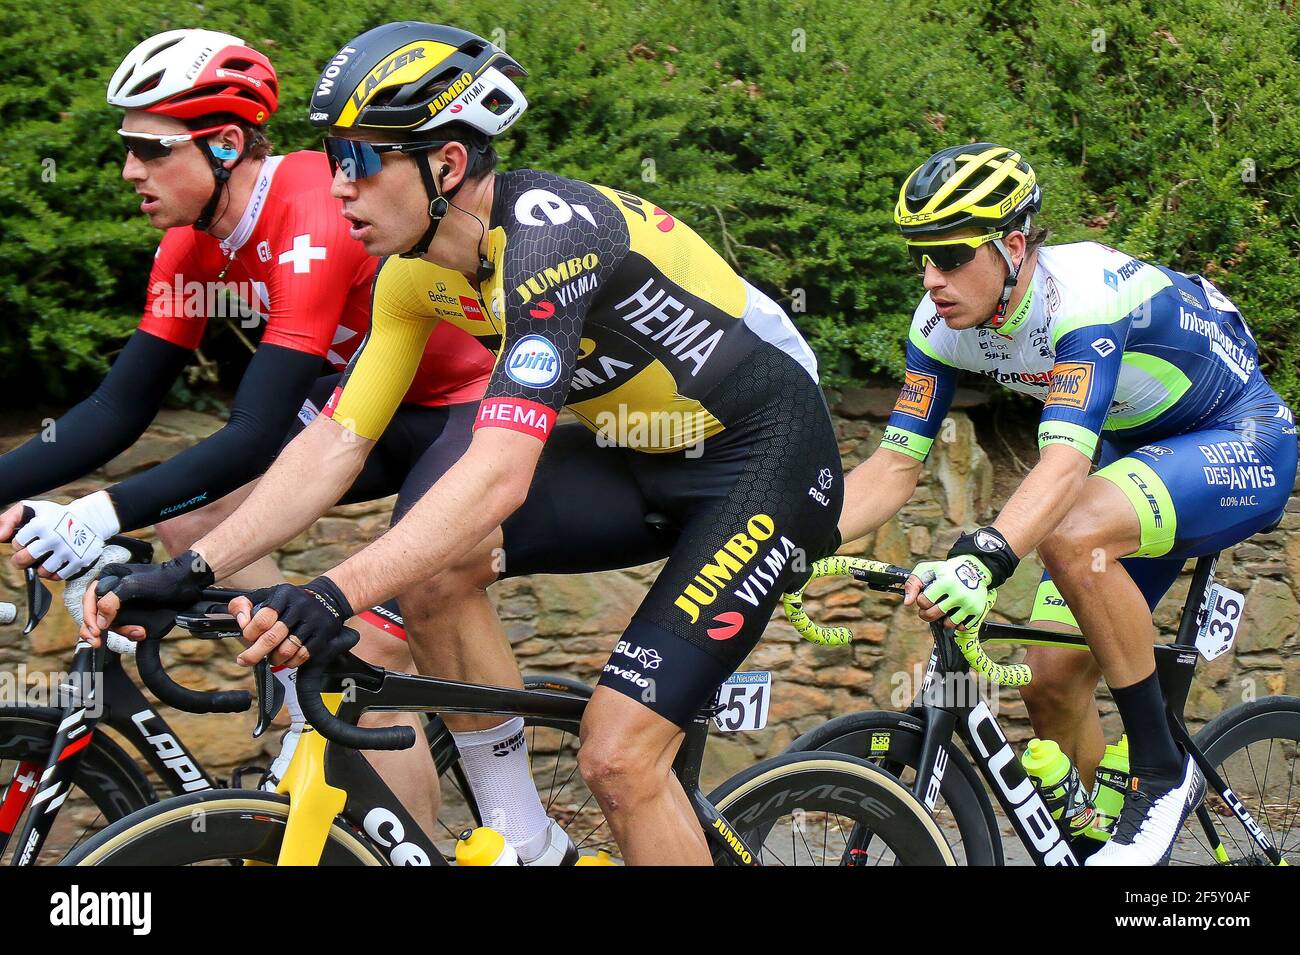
[175, 585]
[314, 613]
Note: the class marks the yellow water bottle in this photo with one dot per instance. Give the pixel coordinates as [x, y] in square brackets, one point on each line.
[484, 846]
[1058, 783]
[600, 858]
[1108, 791]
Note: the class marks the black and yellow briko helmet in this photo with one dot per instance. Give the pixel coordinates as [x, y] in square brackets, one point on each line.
[980, 184]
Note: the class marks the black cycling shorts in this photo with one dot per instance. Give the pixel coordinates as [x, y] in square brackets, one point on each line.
[744, 519]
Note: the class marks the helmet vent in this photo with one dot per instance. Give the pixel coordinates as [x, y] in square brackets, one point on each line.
[435, 85]
[163, 46]
[146, 84]
[497, 103]
[385, 97]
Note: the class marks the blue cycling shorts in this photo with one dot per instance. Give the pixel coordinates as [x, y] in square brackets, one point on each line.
[1197, 493]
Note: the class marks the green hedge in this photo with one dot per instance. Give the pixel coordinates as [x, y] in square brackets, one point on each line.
[779, 130]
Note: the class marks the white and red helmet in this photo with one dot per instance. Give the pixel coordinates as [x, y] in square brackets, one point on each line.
[186, 74]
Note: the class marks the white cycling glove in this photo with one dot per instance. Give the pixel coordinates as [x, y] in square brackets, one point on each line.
[72, 535]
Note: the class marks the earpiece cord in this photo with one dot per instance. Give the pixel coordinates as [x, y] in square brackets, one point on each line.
[439, 204]
[222, 176]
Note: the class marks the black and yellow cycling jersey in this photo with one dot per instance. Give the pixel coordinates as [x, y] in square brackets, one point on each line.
[598, 300]
[602, 302]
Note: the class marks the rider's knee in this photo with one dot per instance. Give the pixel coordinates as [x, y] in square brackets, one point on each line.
[385, 650]
[614, 770]
[1078, 542]
[1056, 690]
[385, 719]
[468, 577]
[607, 769]
[1062, 680]
[179, 533]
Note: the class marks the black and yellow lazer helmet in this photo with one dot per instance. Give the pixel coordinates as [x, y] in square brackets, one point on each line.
[980, 184]
[412, 87]
[408, 79]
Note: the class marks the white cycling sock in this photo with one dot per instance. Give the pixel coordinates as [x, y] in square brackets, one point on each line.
[289, 741]
[289, 680]
[495, 761]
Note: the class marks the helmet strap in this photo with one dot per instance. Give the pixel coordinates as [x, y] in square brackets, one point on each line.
[439, 205]
[999, 316]
[222, 176]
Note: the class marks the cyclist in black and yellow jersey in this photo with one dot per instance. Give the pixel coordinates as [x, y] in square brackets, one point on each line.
[703, 435]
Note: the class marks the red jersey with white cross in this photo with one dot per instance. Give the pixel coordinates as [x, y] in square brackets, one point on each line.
[290, 265]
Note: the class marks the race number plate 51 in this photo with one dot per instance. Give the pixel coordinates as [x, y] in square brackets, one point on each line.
[1222, 620]
[745, 698]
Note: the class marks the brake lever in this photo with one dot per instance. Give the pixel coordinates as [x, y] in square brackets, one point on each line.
[270, 695]
[39, 600]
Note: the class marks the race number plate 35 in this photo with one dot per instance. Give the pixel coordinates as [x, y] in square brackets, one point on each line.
[745, 698]
[1223, 609]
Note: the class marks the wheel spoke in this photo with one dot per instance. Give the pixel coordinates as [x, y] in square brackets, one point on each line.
[1291, 818]
[1260, 790]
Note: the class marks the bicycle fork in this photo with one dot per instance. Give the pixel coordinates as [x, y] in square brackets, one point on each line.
[75, 731]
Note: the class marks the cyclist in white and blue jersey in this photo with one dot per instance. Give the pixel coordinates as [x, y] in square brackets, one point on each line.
[1153, 373]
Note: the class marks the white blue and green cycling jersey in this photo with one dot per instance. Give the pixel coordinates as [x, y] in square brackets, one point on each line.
[1156, 368]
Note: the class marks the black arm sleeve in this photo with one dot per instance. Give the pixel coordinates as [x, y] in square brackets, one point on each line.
[99, 428]
[270, 394]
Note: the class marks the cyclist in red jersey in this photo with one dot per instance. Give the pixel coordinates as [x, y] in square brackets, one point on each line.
[290, 260]
[258, 239]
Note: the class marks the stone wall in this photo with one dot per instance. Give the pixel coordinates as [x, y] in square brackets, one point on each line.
[569, 624]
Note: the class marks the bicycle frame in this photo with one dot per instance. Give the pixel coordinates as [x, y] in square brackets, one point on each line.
[123, 708]
[325, 780]
[943, 713]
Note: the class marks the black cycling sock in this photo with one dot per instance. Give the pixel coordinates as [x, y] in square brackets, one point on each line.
[1151, 747]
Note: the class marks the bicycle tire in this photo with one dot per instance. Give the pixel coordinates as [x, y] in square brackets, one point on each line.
[752, 801]
[237, 824]
[1230, 733]
[892, 741]
[107, 775]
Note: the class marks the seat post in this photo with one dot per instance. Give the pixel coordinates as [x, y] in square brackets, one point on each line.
[1202, 577]
[690, 755]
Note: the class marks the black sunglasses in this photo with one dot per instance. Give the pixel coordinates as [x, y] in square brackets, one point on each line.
[946, 255]
[359, 160]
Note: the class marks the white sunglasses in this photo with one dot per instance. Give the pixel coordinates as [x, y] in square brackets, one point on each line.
[158, 145]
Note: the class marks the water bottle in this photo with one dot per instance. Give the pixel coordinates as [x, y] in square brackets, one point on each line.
[484, 846]
[600, 858]
[1058, 783]
[1108, 791]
